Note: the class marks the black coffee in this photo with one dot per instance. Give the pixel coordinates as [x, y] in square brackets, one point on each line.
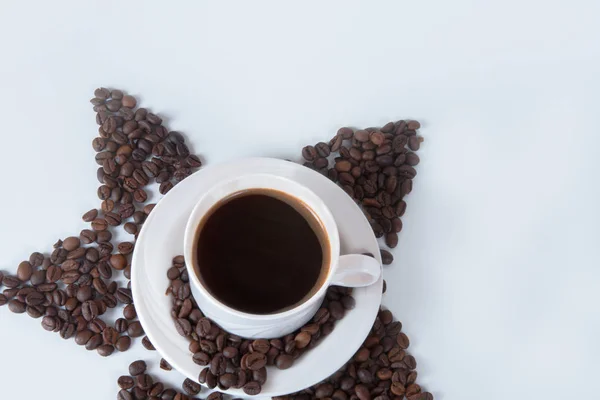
[261, 251]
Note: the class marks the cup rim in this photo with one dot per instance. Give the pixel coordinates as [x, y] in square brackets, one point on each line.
[332, 233]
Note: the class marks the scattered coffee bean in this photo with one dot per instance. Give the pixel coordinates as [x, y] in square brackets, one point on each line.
[190, 387]
[16, 306]
[135, 329]
[90, 215]
[24, 271]
[147, 344]
[105, 350]
[386, 257]
[124, 395]
[165, 365]
[137, 368]
[129, 312]
[123, 343]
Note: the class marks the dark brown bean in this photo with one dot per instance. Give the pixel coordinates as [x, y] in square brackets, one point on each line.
[123, 343]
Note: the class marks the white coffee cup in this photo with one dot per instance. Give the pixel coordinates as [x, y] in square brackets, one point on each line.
[353, 270]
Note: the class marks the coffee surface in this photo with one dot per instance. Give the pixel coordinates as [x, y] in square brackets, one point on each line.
[261, 251]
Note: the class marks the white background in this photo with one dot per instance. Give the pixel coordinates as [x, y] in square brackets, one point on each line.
[497, 277]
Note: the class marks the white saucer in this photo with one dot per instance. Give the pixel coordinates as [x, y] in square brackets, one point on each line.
[161, 238]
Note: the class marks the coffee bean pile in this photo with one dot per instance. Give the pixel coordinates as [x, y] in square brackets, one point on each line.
[381, 369]
[375, 166]
[234, 362]
[73, 286]
[133, 147]
[140, 385]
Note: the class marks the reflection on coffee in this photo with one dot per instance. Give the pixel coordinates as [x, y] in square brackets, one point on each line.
[261, 251]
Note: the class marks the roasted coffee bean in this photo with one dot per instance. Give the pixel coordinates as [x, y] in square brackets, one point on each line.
[361, 135]
[24, 292]
[35, 259]
[336, 143]
[321, 162]
[201, 358]
[124, 295]
[137, 368]
[76, 253]
[302, 340]
[129, 312]
[165, 365]
[46, 287]
[183, 326]
[110, 335]
[99, 224]
[227, 381]
[89, 310]
[11, 281]
[343, 166]
[139, 394]
[156, 390]
[35, 298]
[121, 325]
[309, 153]
[147, 343]
[284, 361]
[84, 293]
[261, 346]
[83, 336]
[69, 277]
[16, 306]
[104, 270]
[252, 388]
[345, 133]
[139, 217]
[412, 159]
[165, 187]
[102, 93]
[35, 311]
[123, 343]
[322, 149]
[105, 350]
[140, 196]
[402, 340]
[67, 331]
[128, 101]
[126, 382]
[391, 239]
[135, 329]
[87, 236]
[255, 361]
[59, 297]
[124, 395]
[130, 228]
[24, 271]
[118, 261]
[112, 219]
[144, 381]
[50, 323]
[190, 387]
[104, 191]
[336, 310]
[387, 257]
[396, 225]
[414, 143]
[260, 376]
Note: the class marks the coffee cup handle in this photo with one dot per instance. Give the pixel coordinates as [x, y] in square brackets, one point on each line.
[356, 270]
